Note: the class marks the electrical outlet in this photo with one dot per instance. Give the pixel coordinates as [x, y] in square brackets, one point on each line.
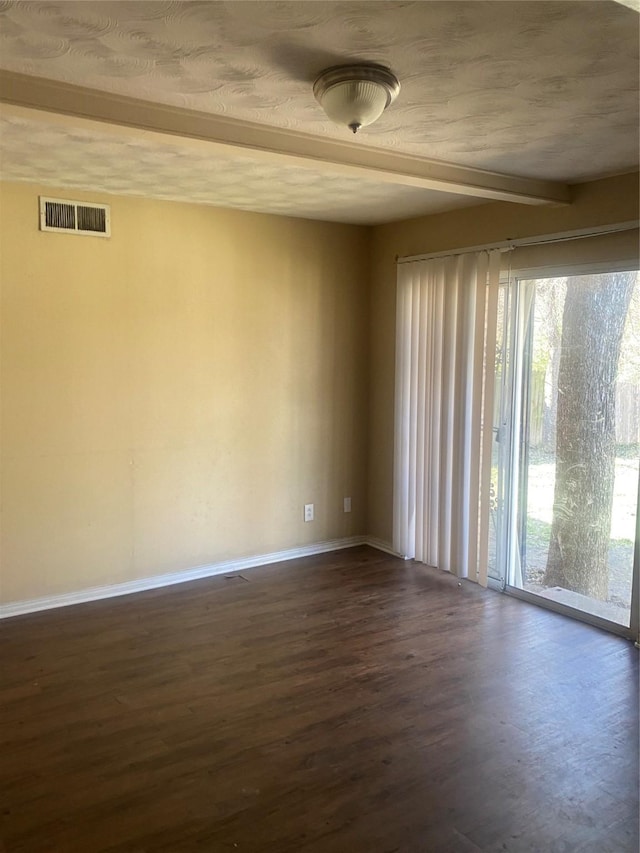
[308, 512]
[347, 504]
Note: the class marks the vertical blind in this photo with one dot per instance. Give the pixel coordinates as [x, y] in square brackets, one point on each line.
[445, 363]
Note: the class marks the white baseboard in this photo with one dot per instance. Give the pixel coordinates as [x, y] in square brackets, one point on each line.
[381, 546]
[95, 593]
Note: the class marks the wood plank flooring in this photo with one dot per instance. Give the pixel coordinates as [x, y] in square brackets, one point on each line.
[345, 703]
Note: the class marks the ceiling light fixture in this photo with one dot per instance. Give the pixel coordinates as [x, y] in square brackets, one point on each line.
[356, 95]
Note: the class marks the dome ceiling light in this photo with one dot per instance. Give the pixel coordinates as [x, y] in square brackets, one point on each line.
[356, 95]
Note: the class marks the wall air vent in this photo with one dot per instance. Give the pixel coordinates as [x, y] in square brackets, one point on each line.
[75, 217]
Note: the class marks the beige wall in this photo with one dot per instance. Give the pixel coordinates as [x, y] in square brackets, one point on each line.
[172, 396]
[595, 204]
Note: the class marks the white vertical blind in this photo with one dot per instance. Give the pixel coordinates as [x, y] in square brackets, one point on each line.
[445, 363]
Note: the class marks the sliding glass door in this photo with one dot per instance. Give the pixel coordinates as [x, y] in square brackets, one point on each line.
[566, 444]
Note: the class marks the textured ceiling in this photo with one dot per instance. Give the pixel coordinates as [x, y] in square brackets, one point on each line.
[35, 150]
[537, 89]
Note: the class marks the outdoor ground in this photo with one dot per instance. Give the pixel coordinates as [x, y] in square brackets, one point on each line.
[623, 523]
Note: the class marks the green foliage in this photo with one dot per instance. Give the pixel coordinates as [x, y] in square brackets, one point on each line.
[628, 451]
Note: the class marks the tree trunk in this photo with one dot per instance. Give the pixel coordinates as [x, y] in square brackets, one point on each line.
[593, 321]
[556, 293]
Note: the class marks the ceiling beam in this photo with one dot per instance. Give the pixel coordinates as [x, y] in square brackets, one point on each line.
[263, 141]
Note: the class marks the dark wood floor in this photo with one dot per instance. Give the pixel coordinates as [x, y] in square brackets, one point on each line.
[347, 703]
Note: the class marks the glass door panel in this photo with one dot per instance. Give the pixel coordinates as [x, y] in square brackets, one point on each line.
[495, 563]
[569, 460]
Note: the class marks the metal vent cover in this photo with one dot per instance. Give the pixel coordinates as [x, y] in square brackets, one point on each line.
[75, 217]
